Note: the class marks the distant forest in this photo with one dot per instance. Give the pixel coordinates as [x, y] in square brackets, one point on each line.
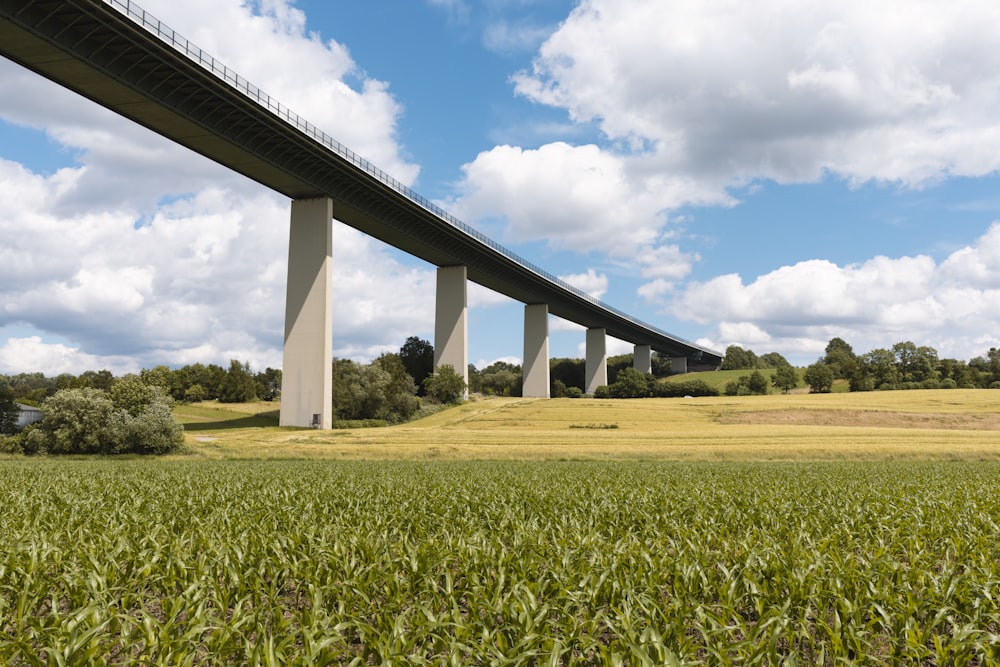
[903, 366]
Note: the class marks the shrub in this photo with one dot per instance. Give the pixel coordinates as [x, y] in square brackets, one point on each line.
[573, 392]
[686, 388]
[445, 385]
[630, 383]
[11, 444]
[602, 392]
[89, 421]
[195, 394]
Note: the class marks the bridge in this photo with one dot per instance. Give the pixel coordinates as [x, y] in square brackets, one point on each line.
[121, 57]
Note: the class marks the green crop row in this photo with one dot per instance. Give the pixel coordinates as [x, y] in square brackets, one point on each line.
[490, 563]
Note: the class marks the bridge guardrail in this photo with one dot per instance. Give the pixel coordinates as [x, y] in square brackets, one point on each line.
[184, 46]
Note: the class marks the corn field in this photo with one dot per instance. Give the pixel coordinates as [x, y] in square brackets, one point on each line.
[498, 563]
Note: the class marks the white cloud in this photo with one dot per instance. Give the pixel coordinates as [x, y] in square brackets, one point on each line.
[655, 290]
[31, 355]
[578, 197]
[503, 36]
[797, 309]
[898, 90]
[590, 282]
[133, 261]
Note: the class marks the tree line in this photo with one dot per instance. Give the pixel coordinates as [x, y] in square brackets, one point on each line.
[191, 383]
[905, 365]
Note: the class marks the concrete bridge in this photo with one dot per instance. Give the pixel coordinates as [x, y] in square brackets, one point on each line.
[119, 56]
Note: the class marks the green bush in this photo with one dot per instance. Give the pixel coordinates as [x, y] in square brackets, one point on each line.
[134, 418]
[686, 388]
[11, 444]
[631, 383]
[445, 385]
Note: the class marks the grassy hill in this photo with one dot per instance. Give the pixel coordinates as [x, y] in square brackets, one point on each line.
[953, 424]
[719, 379]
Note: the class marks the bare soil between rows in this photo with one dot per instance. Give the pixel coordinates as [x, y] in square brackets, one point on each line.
[866, 419]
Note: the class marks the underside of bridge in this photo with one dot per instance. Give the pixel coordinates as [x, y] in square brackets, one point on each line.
[115, 54]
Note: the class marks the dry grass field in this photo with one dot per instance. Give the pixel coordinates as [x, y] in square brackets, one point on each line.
[928, 425]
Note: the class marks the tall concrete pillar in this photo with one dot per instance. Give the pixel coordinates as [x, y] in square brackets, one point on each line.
[536, 351]
[642, 359]
[678, 365]
[451, 328]
[306, 396]
[597, 359]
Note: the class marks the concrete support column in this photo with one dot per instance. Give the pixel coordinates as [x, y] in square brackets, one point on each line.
[678, 365]
[642, 359]
[306, 396]
[451, 328]
[597, 359]
[536, 351]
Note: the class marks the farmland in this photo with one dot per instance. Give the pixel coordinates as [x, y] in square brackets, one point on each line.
[315, 562]
[939, 424]
[794, 530]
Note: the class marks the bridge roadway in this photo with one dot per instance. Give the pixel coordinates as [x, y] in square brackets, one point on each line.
[121, 57]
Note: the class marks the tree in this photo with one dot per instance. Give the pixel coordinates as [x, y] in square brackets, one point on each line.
[97, 379]
[571, 372]
[500, 378]
[880, 365]
[661, 365]
[268, 384]
[772, 360]
[9, 411]
[819, 377]
[785, 378]
[75, 422]
[399, 392]
[238, 385]
[617, 364]
[757, 383]
[158, 376]
[738, 359]
[88, 421]
[445, 384]
[132, 394]
[417, 356]
[148, 428]
[347, 389]
[840, 358]
[631, 383]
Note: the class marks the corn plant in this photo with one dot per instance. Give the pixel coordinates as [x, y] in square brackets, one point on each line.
[498, 563]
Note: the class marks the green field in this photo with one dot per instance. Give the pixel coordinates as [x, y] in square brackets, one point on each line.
[505, 562]
[842, 529]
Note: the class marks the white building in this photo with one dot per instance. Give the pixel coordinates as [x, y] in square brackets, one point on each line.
[29, 415]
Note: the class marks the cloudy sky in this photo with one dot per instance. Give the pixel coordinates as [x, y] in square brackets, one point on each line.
[767, 174]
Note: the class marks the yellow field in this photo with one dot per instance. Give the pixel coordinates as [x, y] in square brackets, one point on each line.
[937, 424]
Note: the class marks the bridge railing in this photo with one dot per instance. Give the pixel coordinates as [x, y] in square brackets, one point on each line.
[183, 45]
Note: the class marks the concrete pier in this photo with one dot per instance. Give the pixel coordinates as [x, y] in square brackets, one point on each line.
[536, 351]
[596, 365]
[306, 397]
[642, 359]
[678, 365]
[451, 327]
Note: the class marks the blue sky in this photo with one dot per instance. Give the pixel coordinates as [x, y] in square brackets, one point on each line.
[769, 175]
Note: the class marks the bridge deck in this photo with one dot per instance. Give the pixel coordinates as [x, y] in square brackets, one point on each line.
[115, 54]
